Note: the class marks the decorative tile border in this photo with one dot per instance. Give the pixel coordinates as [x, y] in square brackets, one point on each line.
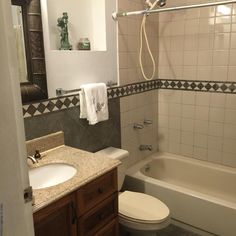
[200, 86]
[50, 105]
[131, 89]
[65, 102]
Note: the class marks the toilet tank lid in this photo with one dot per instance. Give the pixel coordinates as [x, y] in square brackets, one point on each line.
[114, 153]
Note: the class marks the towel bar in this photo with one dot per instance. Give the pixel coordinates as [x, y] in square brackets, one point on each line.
[61, 92]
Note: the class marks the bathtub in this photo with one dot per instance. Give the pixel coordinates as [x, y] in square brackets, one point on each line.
[198, 193]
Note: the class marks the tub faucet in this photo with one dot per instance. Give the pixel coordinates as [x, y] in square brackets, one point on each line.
[138, 126]
[145, 147]
[33, 159]
[147, 122]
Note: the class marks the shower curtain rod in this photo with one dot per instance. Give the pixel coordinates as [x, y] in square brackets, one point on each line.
[115, 15]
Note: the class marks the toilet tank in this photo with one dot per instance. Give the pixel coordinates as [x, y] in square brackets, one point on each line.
[118, 154]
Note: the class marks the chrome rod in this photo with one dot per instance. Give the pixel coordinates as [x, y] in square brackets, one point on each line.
[61, 92]
[115, 15]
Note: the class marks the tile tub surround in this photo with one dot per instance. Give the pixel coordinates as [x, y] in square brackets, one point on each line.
[197, 124]
[195, 51]
[129, 43]
[135, 109]
[197, 44]
[89, 166]
[77, 132]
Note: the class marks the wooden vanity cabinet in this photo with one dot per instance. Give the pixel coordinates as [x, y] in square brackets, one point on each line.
[57, 219]
[91, 210]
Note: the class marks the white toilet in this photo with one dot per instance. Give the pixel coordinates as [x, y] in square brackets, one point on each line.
[139, 213]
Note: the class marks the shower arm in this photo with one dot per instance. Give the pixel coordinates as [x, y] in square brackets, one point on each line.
[115, 15]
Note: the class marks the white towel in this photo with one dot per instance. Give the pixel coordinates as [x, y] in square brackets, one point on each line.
[93, 102]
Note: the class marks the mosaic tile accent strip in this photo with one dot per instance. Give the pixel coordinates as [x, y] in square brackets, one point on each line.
[202, 86]
[65, 102]
[131, 89]
[50, 105]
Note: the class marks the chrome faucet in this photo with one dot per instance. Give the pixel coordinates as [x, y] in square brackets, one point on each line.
[145, 147]
[138, 126]
[147, 122]
[33, 159]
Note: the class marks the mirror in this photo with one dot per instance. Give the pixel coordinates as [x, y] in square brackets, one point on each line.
[20, 42]
[27, 25]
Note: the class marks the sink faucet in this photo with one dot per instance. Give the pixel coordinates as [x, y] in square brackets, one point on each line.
[33, 159]
[145, 147]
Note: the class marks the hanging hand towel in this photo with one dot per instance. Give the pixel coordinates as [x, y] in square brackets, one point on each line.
[94, 103]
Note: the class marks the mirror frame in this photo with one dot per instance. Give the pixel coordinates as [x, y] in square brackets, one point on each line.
[36, 88]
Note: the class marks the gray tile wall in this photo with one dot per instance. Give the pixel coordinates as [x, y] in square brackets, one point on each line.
[77, 131]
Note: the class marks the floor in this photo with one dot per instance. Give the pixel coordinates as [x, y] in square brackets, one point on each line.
[171, 230]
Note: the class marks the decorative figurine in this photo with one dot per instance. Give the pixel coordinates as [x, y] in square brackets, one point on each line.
[62, 22]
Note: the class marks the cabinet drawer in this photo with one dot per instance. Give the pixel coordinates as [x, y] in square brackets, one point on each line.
[112, 229]
[98, 217]
[93, 193]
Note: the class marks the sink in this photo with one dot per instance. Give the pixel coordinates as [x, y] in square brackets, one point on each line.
[50, 175]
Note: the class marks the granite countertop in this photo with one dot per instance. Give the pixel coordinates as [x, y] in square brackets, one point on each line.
[89, 166]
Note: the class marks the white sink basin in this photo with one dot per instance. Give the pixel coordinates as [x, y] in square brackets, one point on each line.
[50, 175]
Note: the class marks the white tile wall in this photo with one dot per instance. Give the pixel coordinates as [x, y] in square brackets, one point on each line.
[197, 124]
[129, 43]
[197, 44]
[134, 109]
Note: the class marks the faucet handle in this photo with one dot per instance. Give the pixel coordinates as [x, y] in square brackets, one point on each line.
[37, 155]
[138, 126]
[143, 147]
[147, 122]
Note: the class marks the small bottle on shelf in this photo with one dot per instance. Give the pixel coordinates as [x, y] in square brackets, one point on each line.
[84, 44]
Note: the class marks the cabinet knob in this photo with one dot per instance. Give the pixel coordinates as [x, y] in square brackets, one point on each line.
[102, 216]
[100, 190]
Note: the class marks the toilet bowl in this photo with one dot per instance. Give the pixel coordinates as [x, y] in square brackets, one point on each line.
[138, 212]
[143, 212]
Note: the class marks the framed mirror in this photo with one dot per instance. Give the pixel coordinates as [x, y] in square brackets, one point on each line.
[30, 49]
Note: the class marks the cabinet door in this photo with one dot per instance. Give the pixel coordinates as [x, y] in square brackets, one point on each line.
[58, 219]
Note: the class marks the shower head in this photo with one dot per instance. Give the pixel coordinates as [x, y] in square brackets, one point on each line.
[151, 5]
[162, 3]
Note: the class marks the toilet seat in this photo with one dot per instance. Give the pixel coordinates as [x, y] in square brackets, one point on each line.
[143, 212]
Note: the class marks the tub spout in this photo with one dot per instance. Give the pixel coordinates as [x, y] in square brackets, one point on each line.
[145, 147]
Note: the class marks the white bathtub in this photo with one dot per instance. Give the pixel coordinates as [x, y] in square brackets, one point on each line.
[198, 193]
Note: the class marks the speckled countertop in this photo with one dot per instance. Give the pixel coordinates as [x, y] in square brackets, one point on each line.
[89, 166]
